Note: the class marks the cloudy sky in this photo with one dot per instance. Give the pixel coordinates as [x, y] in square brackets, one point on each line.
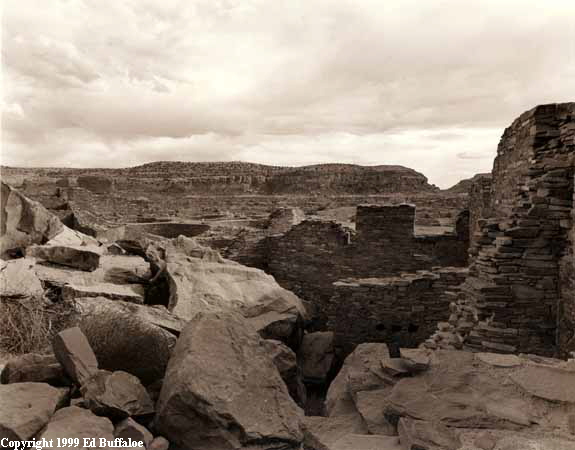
[429, 84]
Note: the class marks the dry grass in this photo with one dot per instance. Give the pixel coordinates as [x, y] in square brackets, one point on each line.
[28, 324]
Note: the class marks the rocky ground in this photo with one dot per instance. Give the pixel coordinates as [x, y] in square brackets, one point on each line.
[164, 341]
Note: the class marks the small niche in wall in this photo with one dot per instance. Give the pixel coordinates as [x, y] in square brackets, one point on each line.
[412, 328]
[380, 327]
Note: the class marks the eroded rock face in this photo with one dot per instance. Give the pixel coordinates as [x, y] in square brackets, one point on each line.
[129, 337]
[222, 391]
[199, 285]
[74, 422]
[418, 434]
[26, 408]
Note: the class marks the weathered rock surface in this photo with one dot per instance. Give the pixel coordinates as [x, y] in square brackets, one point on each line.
[316, 355]
[222, 391]
[79, 257]
[366, 442]
[129, 337]
[73, 351]
[286, 362]
[74, 422]
[421, 435]
[117, 395]
[32, 367]
[321, 432]
[550, 383]
[25, 408]
[18, 279]
[23, 222]
[133, 293]
[130, 429]
[197, 285]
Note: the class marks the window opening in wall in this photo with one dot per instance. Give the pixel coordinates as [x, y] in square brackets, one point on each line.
[412, 328]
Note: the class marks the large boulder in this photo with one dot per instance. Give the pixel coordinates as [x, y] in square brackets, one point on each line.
[25, 408]
[79, 423]
[199, 285]
[222, 391]
[23, 222]
[18, 279]
[129, 337]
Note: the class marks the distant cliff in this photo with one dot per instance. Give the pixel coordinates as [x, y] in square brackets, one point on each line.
[241, 178]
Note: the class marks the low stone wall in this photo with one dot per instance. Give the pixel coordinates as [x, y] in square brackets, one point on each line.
[405, 309]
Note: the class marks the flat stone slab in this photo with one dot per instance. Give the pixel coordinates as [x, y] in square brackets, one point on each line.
[549, 383]
[73, 351]
[80, 257]
[133, 293]
[18, 279]
[498, 359]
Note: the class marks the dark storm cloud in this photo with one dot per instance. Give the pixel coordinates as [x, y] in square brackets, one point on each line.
[429, 85]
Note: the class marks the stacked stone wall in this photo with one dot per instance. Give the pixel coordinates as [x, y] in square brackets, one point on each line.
[405, 309]
[311, 256]
[518, 297]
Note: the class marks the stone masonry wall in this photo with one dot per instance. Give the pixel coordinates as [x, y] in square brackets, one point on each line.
[404, 308]
[311, 256]
[519, 293]
[479, 202]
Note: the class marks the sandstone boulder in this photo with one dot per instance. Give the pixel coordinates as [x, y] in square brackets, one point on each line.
[286, 362]
[73, 351]
[23, 222]
[222, 391]
[25, 408]
[117, 395]
[366, 442]
[197, 285]
[129, 337]
[18, 279]
[32, 367]
[74, 422]
[547, 382]
[159, 443]
[316, 355]
[79, 257]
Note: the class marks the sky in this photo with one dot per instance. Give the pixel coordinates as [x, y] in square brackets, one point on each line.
[427, 84]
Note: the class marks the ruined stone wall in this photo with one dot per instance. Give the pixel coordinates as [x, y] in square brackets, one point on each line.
[521, 275]
[404, 308]
[479, 202]
[566, 310]
[311, 256]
